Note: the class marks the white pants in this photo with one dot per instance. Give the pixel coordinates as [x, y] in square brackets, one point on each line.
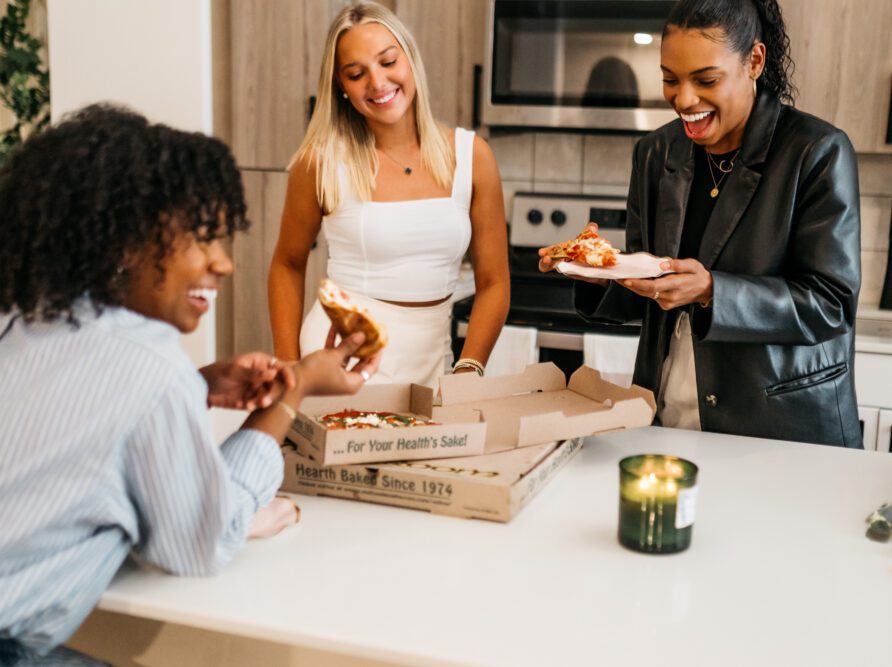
[678, 405]
[418, 348]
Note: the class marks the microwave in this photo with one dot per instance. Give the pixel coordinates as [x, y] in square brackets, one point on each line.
[575, 64]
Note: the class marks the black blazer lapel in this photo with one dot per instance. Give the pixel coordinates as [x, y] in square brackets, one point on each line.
[743, 181]
[727, 213]
[675, 185]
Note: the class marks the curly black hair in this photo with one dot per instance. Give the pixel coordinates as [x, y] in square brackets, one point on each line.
[745, 22]
[78, 198]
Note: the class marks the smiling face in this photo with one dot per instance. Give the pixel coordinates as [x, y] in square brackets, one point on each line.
[709, 85]
[376, 75]
[192, 271]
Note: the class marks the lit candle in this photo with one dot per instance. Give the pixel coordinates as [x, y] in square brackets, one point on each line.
[657, 502]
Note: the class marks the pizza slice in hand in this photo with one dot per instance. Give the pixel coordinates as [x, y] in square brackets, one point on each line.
[588, 248]
[348, 318]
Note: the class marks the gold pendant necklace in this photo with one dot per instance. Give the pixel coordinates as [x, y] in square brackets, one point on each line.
[722, 169]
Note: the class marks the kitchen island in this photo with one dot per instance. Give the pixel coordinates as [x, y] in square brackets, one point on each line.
[779, 571]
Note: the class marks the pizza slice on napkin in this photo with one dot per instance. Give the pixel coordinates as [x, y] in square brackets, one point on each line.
[588, 248]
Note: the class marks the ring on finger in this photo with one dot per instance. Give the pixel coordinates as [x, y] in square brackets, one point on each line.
[657, 295]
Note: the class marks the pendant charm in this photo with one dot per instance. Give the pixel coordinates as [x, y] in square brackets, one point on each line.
[714, 193]
[408, 171]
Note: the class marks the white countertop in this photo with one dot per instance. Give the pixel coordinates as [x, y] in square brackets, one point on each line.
[779, 571]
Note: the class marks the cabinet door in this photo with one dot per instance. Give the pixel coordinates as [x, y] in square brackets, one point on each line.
[451, 37]
[252, 252]
[276, 52]
[869, 418]
[884, 431]
[872, 373]
[843, 59]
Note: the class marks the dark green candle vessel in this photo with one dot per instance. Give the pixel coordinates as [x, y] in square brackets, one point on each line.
[657, 503]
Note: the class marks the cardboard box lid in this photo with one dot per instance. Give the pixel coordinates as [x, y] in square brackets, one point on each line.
[497, 469]
[537, 406]
[470, 388]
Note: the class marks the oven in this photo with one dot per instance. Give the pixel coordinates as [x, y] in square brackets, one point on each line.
[575, 64]
[544, 301]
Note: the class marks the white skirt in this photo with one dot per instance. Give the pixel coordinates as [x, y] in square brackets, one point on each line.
[418, 348]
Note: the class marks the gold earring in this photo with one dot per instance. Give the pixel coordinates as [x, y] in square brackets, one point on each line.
[755, 88]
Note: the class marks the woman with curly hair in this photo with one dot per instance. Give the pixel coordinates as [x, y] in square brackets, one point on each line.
[112, 235]
[752, 331]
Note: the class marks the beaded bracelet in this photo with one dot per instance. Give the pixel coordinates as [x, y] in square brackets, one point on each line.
[468, 362]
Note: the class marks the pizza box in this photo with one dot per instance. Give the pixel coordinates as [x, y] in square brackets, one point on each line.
[477, 415]
[461, 435]
[492, 486]
[539, 406]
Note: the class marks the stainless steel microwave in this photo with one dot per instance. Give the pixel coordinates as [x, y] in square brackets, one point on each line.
[577, 64]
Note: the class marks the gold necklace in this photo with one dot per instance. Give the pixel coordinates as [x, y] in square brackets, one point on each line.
[406, 169]
[721, 167]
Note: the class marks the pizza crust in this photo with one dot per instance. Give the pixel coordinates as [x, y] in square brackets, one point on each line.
[348, 318]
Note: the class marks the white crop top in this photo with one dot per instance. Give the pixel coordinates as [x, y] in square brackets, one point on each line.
[404, 250]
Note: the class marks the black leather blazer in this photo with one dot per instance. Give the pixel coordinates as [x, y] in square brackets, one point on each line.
[774, 354]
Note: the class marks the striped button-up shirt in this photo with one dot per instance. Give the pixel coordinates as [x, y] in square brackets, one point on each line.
[105, 448]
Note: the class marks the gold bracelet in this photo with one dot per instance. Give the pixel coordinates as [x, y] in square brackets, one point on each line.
[291, 412]
[707, 303]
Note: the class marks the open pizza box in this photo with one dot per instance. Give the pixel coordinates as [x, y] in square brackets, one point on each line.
[477, 415]
[539, 406]
[491, 486]
[459, 435]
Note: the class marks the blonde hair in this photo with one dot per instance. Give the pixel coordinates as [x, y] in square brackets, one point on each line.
[338, 132]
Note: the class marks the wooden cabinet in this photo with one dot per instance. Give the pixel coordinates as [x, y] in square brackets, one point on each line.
[452, 39]
[252, 253]
[276, 51]
[843, 55]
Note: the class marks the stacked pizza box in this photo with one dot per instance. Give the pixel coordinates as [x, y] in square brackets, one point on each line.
[481, 448]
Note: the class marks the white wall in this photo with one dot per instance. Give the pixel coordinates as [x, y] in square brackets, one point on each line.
[153, 56]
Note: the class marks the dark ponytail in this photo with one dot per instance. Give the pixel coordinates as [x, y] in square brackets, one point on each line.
[745, 22]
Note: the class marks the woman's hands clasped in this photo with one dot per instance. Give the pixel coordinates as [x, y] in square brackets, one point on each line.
[247, 382]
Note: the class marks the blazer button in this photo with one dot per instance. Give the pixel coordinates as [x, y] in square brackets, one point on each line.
[711, 400]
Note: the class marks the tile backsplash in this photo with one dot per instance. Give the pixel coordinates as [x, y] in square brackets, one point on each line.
[574, 163]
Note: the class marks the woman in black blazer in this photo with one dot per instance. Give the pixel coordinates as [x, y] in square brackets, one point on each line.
[753, 333]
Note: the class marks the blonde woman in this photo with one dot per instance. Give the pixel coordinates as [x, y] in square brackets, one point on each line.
[400, 198]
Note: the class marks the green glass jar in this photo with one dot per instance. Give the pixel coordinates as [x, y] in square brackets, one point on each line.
[657, 503]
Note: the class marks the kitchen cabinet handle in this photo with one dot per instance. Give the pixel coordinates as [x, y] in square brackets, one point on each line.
[889, 121]
[475, 108]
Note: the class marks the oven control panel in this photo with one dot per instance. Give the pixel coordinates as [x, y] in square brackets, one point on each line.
[542, 219]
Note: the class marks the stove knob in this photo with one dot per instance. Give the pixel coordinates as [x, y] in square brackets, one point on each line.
[558, 218]
[534, 216]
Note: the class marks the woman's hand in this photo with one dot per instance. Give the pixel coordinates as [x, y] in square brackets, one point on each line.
[250, 381]
[325, 372]
[691, 283]
[272, 519]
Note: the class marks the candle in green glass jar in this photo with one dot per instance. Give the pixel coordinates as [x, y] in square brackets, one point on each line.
[657, 503]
